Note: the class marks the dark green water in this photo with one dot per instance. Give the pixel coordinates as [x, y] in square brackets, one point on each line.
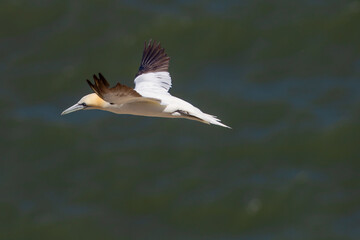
[284, 74]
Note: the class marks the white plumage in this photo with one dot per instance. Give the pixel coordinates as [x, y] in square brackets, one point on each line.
[150, 97]
[155, 82]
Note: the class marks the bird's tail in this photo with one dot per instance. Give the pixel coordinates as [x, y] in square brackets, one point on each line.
[198, 115]
[211, 119]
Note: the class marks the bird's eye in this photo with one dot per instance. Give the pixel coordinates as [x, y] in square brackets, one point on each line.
[84, 104]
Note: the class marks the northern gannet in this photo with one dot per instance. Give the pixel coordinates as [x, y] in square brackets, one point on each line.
[150, 97]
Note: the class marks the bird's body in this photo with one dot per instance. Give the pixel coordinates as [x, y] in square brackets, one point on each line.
[150, 97]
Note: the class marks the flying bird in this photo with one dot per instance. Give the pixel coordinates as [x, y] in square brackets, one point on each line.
[150, 97]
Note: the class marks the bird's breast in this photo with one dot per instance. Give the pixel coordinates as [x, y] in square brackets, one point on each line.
[139, 108]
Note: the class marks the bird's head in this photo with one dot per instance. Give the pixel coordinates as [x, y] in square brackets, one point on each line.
[90, 101]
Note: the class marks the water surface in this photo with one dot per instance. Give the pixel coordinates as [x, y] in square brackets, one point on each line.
[285, 75]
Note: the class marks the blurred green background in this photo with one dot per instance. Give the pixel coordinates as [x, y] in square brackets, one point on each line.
[284, 74]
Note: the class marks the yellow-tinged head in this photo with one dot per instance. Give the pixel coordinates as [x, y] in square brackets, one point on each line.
[90, 101]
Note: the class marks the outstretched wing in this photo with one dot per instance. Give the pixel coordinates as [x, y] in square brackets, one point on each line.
[153, 75]
[119, 94]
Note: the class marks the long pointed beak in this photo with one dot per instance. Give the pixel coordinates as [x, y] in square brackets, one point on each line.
[74, 108]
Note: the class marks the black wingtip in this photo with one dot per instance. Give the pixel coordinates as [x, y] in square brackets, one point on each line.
[152, 44]
[154, 58]
[92, 86]
[101, 76]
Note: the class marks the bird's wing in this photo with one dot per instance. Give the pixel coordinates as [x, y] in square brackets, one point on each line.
[153, 75]
[119, 94]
